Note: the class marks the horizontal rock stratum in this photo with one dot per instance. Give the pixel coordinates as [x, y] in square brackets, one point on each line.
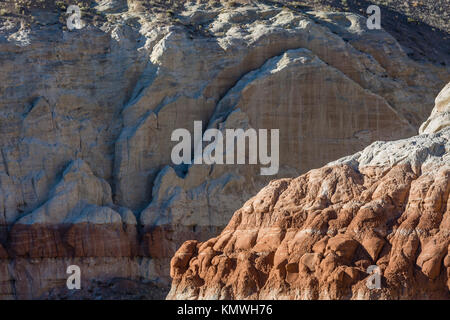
[314, 237]
[86, 117]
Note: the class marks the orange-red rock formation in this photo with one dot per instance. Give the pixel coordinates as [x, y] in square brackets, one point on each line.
[314, 237]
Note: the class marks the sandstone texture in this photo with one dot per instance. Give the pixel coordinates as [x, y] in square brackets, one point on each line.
[86, 118]
[314, 237]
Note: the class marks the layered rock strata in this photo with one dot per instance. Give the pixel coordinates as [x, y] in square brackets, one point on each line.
[86, 118]
[317, 236]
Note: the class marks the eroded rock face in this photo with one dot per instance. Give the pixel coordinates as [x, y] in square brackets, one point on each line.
[86, 119]
[314, 237]
[295, 79]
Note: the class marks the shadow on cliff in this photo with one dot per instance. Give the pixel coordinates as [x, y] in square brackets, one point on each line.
[420, 40]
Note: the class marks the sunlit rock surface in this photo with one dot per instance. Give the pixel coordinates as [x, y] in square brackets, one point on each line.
[86, 118]
[315, 236]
